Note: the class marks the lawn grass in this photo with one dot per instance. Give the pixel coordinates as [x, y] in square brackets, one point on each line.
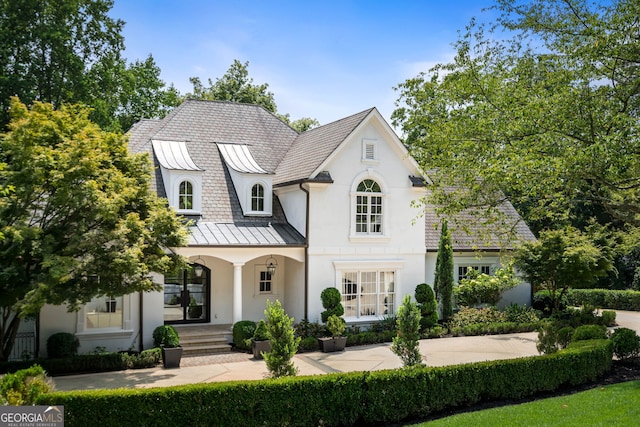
[611, 405]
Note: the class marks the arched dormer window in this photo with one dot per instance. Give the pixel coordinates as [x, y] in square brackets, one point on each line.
[185, 196]
[368, 207]
[257, 198]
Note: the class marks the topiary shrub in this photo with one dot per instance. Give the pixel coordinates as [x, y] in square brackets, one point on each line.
[332, 303]
[284, 344]
[589, 332]
[62, 344]
[242, 333]
[165, 336]
[626, 343]
[406, 344]
[426, 300]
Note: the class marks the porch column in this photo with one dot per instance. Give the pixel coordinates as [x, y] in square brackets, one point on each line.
[237, 292]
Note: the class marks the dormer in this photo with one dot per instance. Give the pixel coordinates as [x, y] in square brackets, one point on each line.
[182, 177]
[253, 184]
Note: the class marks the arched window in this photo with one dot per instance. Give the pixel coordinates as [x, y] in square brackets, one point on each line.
[368, 207]
[257, 198]
[185, 196]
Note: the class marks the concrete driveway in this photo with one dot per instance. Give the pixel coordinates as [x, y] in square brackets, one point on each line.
[241, 366]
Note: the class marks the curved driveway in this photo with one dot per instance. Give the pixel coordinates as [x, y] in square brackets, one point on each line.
[241, 366]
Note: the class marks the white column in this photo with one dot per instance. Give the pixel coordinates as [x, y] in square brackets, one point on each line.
[237, 292]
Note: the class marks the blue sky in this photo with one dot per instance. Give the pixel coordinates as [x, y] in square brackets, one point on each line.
[322, 59]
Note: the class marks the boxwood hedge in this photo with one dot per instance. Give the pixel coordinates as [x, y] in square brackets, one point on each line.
[343, 399]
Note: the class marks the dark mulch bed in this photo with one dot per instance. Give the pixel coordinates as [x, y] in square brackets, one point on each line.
[620, 372]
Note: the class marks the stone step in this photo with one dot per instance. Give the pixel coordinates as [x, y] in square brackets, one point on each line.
[201, 340]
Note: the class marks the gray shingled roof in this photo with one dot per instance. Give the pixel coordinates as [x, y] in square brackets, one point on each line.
[476, 237]
[202, 124]
[311, 148]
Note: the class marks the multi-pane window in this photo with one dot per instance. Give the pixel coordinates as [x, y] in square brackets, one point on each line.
[368, 208]
[257, 198]
[265, 282]
[463, 270]
[185, 195]
[104, 312]
[368, 293]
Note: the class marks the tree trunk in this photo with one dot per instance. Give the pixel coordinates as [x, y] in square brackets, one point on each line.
[8, 331]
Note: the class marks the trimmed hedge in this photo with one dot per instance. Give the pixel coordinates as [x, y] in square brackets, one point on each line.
[605, 298]
[343, 399]
[88, 363]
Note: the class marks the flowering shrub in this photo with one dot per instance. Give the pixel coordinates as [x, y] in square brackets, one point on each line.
[481, 288]
[471, 316]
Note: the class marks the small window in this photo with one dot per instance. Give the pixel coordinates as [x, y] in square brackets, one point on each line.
[265, 282]
[257, 198]
[463, 270]
[104, 313]
[185, 196]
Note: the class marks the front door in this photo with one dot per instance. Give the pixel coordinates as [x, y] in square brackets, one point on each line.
[186, 295]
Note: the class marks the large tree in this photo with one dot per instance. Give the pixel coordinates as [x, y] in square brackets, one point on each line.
[542, 106]
[236, 86]
[79, 219]
[62, 51]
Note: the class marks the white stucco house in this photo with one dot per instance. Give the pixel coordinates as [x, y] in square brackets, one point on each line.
[277, 214]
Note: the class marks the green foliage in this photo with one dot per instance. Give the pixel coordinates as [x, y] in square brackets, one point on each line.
[62, 344]
[100, 220]
[426, 299]
[306, 329]
[243, 331]
[589, 332]
[308, 344]
[548, 339]
[332, 303]
[626, 343]
[336, 325]
[608, 317]
[468, 316]
[165, 336]
[543, 302]
[480, 288]
[261, 333]
[520, 314]
[406, 344]
[284, 344]
[443, 281]
[341, 399]
[516, 111]
[24, 386]
[562, 259]
[605, 298]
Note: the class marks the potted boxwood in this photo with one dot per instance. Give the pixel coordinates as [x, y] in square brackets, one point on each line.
[166, 337]
[336, 342]
[261, 341]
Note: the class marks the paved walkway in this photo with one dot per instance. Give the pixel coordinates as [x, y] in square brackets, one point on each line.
[241, 366]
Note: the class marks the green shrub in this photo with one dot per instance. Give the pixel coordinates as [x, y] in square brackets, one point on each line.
[388, 323]
[608, 317]
[548, 338]
[605, 298]
[406, 344]
[308, 344]
[626, 343]
[284, 344]
[520, 314]
[306, 329]
[481, 288]
[242, 333]
[24, 386]
[385, 397]
[565, 336]
[589, 332]
[261, 333]
[336, 325]
[332, 303]
[435, 332]
[165, 336]
[543, 302]
[470, 316]
[62, 344]
[426, 299]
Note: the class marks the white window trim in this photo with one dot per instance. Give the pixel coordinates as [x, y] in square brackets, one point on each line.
[385, 235]
[258, 268]
[378, 265]
[479, 265]
[268, 198]
[197, 195]
[126, 329]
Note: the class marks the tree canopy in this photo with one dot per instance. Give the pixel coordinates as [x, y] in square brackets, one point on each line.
[541, 106]
[79, 219]
[69, 51]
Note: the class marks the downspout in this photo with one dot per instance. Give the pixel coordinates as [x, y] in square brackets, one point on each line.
[306, 257]
[141, 323]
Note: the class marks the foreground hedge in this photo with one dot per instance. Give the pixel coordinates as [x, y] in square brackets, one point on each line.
[605, 298]
[343, 399]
